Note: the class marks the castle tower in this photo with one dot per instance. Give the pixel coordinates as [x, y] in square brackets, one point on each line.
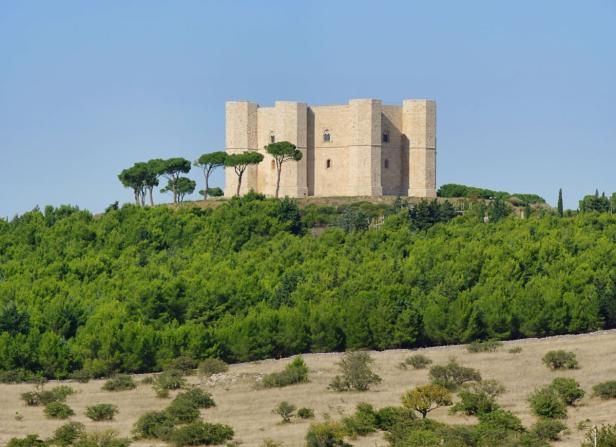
[419, 127]
[291, 125]
[240, 136]
[364, 151]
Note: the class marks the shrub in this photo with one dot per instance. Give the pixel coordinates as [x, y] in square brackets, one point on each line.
[605, 390]
[201, 433]
[28, 441]
[417, 361]
[195, 397]
[81, 376]
[546, 402]
[295, 372]
[426, 398]
[61, 392]
[560, 360]
[364, 421]
[101, 412]
[107, 438]
[472, 403]
[325, 434]
[31, 398]
[56, 394]
[58, 410]
[548, 429]
[305, 413]
[121, 382]
[605, 437]
[212, 366]
[66, 434]
[154, 424]
[501, 420]
[387, 417]
[452, 375]
[568, 389]
[284, 410]
[515, 350]
[170, 379]
[356, 373]
[184, 364]
[484, 346]
[183, 411]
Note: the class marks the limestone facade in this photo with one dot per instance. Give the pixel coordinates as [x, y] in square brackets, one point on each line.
[362, 148]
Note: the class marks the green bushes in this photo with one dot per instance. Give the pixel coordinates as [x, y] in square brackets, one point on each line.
[560, 360]
[44, 397]
[605, 390]
[195, 397]
[285, 410]
[325, 434]
[305, 413]
[154, 424]
[58, 410]
[388, 417]
[417, 361]
[426, 398]
[101, 412]
[546, 402]
[483, 346]
[478, 398]
[548, 429]
[171, 379]
[211, 366]
[106, 438]
[27, 441]
[67, 434]
[121, 382]
[184, 364]
[452, 375]
[201, 433]
[364, 421]
[568, 389]
[356, 373]
[295, 372]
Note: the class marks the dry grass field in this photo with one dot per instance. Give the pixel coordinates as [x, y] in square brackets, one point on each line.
[249, 411]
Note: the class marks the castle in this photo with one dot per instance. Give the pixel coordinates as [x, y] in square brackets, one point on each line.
[363, 148]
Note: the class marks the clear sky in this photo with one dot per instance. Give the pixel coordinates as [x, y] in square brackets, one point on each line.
[526, 90]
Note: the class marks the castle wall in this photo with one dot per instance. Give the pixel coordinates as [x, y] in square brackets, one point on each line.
[356, 159]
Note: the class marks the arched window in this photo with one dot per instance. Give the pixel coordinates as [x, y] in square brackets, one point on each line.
[386, 136]
[326, 136]
[273, 164]
[386, 164]
[328, 164]
[272, 138]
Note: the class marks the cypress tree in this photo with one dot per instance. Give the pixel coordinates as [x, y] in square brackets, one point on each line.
[560, 202]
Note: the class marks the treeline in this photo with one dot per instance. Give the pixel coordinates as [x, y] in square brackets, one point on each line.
[455, 190]
[135, 287]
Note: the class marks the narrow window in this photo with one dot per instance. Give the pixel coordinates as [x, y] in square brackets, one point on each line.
[326, 136]
[386, 136]
[386, 164]
[273, 164]
[272, 138]
[328, 164]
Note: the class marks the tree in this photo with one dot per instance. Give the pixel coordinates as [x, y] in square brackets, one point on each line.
[285, 411]
[426, 398]
[282, 152]
[209, 162]
[560, 202]
[142, 177]
[183, 186]
[356, 372]
[240, 162]
[172, 170]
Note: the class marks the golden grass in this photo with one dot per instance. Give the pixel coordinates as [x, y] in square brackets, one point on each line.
[249, 410]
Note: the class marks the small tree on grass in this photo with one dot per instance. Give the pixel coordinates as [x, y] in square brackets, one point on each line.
[605, 390]
[101, 412]
[546, 402]
[285, 410]
[211, 366]
[325, 434]
[208, 163]
[568, 389]
[426, 398]
[58, 410]
[478, 398]
[356, 373]
[453, 375]
[240, 162]
[417, 361]
[282, 152]
[548, 429]
[560, 360]
[121, 382]
[294, 372]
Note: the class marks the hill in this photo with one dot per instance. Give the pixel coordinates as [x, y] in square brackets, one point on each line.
[249, 410]
[133, 288]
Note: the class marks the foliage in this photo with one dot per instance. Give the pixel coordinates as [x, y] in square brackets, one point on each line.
[101, 412]
[478, 398]
[282, 152]
[185, 364]
[388, 417]
[180, 187]
[560, 359]
[596, 203]
[65, 435]
[605, 390]
[294, 372]
[106, 438]
[200, 433]
[452, 375]
[58, 410]
[154, 424]
[483, 346]
[363, 422]
[211, 366]
[325, 434]
[208, 163]
[604, 435]
[454, 190]
[170, 379]
[285, 410]
[417, 361]
[548, 429]
[240, 162]
[196, 397]
[305, 413]
[568, 389]
[426, 398]
[27, 441]
[356, 373]
[44, 397]
[120, 382]
[546, 402]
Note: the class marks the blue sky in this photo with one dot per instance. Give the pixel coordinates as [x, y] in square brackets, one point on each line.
[526, 90]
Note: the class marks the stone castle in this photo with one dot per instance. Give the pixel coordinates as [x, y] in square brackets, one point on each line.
[363, 148]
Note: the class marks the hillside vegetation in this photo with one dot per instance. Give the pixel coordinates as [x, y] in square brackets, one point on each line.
[133, 288]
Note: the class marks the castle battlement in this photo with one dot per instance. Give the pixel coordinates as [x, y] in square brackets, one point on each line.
[363, 148]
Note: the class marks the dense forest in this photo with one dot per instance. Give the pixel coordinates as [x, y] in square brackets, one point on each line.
[130, 289]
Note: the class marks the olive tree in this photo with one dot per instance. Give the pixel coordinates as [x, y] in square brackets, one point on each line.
[240, 162]
[282, 152]
[426, 398]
